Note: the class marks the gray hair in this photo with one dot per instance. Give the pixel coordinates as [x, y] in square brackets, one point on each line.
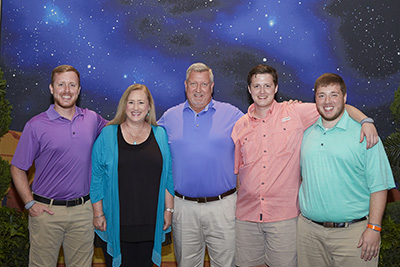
[199, 67]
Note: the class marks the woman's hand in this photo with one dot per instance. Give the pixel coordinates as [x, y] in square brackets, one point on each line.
[100, 222]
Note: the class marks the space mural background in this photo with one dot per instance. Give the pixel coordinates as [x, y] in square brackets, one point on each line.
[117, 43]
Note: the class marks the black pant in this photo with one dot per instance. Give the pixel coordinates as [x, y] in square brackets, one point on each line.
[137, 254]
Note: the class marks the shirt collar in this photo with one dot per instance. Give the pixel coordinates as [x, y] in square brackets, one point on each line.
[209, 106]
[250, 111]
[53, 114]
[342, 124]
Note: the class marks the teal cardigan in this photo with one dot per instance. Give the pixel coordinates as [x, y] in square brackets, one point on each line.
[104, 186]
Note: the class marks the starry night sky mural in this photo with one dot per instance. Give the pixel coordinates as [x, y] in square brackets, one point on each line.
[117, 43]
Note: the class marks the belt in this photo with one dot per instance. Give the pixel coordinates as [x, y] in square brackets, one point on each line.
[68, 203]
[339, 225]
[206, 199]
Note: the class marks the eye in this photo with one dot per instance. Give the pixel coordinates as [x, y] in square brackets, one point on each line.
[204, 84]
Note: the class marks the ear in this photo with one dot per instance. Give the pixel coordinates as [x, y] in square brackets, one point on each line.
[212, 87]
[345, 98]
[186, 85]
[51, 88]
[248, 88]
[276, 89]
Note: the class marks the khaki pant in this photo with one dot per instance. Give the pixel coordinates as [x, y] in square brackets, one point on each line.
[271, 243]
[320, 246]
[197, 225]
[71, 227]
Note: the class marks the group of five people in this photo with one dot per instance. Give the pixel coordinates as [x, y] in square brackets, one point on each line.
[224, 180]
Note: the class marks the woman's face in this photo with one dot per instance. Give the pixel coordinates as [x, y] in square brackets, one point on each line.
[137, 106]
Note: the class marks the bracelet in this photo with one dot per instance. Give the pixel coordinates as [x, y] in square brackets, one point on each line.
[374, 227]
[370, 120]
[170, 210]
[29, 204]
[99, 216]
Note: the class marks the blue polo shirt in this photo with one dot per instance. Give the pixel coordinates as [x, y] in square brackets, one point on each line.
[339, 173]
[202, 148]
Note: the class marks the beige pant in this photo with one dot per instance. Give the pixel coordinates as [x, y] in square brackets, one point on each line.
[71, 227]
[320, 246]
[197, 225]
[272, 243]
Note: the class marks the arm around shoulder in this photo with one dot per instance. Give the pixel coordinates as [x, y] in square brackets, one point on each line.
[368, 130]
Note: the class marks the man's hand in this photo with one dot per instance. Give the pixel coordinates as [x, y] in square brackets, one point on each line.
[291, 102]
[167, 219]
[370, 244]
[368, 131]
[38, 209]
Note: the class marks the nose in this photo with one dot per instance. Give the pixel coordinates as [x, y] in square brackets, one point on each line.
[327, 99]
[198, 87]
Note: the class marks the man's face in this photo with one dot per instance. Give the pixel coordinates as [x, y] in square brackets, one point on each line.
[263, 90]
[199, 88]
[330, 103]
[65, 90]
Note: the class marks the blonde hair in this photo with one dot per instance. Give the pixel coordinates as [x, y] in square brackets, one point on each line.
[120, 117]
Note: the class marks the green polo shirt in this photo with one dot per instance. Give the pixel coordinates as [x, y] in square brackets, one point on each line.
[339, 173]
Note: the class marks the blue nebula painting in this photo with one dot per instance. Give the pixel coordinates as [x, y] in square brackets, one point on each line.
[117, 43]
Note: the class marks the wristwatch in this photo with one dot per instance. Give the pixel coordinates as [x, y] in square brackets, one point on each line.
[170, 210]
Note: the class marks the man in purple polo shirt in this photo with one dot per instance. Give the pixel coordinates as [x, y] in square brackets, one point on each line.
[60, 142]
[199, 133]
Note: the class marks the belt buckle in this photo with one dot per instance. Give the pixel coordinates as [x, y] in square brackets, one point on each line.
[201, 200]
[73, 202]
[328, 224]
[335, 225]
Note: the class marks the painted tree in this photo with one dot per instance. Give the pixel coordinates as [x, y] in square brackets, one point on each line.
[392, 143]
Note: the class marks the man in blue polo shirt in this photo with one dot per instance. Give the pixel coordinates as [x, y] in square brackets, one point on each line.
[60, 142]
[199, 133]
[343, 193]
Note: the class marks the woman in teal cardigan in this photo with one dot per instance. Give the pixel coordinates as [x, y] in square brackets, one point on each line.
[132, 188]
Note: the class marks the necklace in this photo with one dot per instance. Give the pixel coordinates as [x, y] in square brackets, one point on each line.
[134, 136]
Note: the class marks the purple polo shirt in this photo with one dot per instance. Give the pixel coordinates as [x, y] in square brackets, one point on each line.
[202, 148]
[61, 150]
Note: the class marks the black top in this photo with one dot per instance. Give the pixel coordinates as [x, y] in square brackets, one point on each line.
[139, 174]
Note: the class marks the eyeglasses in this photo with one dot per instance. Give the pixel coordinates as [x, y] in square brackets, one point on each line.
[195, 85]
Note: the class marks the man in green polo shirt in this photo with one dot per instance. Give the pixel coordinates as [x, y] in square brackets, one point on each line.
[344, 189]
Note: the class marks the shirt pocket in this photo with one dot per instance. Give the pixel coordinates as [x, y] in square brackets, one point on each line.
[249, 150]
[287, 138]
